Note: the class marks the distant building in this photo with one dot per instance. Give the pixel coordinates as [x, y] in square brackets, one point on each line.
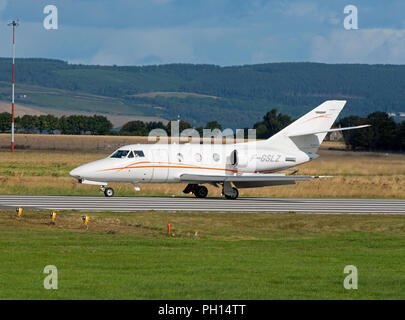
[336, 136]
[397, 116]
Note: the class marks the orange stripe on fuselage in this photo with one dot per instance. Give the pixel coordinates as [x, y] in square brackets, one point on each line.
[136, 165]
[185, 167]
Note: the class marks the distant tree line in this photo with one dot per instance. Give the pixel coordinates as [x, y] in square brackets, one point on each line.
[384, 133]
[74, 124]
[139, 128]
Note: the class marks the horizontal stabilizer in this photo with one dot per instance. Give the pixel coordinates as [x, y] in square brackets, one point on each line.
[326, 131]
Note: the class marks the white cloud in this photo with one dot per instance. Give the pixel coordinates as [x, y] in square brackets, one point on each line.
[149, 46]
[131, 46]
[224, 45]
[134, 46]
[170, 45]
[373, 46]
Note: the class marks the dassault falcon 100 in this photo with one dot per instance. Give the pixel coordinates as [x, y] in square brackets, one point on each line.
[239, 165]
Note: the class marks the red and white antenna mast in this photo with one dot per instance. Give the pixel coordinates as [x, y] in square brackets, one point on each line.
[14, 24]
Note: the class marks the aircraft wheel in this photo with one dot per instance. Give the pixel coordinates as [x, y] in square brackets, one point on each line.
[109, 192]
[190, 188]
[234, 195]
[201, 192]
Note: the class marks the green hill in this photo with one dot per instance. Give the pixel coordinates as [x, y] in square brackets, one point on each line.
[235, 96]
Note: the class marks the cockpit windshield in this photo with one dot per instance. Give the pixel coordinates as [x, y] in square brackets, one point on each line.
[119, 154]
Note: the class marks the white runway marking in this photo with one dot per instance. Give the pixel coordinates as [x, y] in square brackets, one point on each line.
[386, 206]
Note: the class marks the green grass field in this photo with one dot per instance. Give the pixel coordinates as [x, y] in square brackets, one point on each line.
[208, 255]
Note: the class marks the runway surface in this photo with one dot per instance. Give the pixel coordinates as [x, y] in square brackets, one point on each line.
[374, 206]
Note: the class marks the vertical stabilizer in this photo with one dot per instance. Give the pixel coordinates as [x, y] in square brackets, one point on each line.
[319, 119]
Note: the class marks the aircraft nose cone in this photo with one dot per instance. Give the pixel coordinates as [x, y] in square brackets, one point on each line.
[87, 171]
[75, 173]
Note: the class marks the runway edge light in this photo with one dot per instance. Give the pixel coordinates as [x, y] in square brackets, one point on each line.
[19, 211]
[85, 220]
[52, 215]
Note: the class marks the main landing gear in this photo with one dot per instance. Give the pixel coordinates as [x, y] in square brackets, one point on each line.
[198, 191]
[230, 192]
[201, 192]
[231, 195]
[108, 192]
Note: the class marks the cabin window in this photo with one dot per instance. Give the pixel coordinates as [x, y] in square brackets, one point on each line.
[131, 154]
[198, 157]
[120, 154]
[180, 157]
[139, 153]
[216, 157]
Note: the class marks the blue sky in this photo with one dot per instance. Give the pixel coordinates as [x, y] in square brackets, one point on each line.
[222, 32]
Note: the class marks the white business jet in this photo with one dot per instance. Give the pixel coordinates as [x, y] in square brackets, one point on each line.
[232, 166]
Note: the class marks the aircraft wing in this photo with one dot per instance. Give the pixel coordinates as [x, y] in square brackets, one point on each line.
[247, 181]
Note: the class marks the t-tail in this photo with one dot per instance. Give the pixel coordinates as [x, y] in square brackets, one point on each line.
[307, 133]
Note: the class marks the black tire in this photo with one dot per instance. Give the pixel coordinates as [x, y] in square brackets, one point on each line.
[190, 188]
[109, 192]
[234, 196]
[201, 192]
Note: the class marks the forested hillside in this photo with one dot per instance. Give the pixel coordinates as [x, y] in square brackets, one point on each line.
[236, 96]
